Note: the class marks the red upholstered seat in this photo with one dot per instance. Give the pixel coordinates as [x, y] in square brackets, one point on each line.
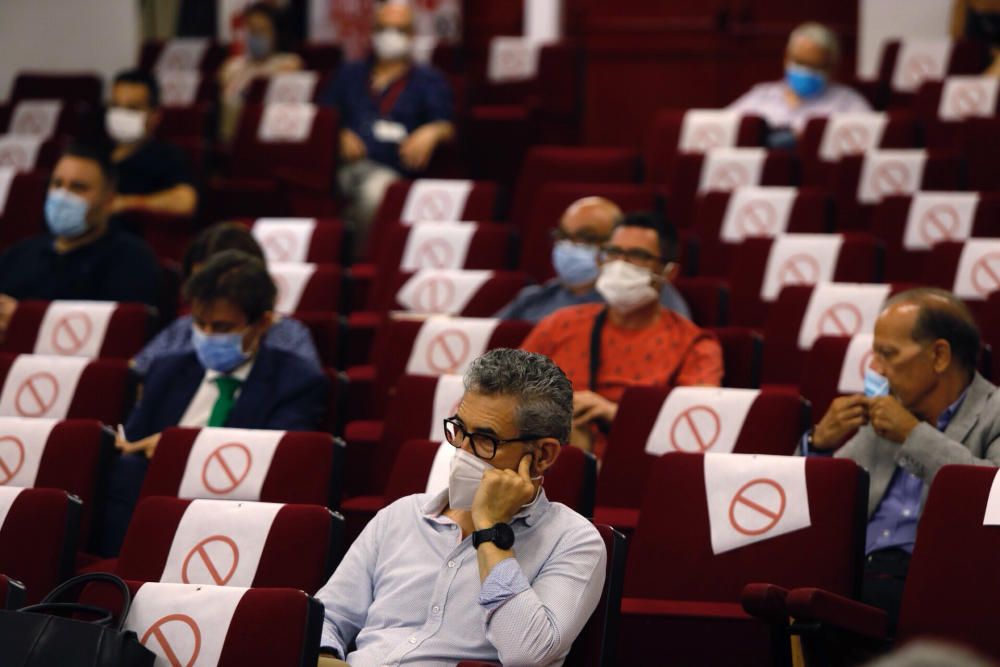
[212, 58]
[305, 468]
[436, 298]
[675, 586]
[66, 86]
[776, 420]
[821, 372]
[742, 356]
[326, 246]
[20, 217]
[128, 329]
[38, 539]
[12, 593]
[322, 292]
[967, 57]
[707, 298]
[300, 551]
[900, 132]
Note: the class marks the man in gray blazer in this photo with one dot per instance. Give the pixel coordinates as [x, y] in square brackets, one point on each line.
[938, 410]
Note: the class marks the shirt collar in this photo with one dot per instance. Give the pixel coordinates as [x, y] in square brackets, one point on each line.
[241, 372]
[531, 512]
[949, 413]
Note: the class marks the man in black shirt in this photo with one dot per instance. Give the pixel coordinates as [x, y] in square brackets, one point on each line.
[152, 175]
[81, 257]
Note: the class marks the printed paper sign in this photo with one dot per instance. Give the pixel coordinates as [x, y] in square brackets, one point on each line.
[757, 212]
[41, 386]
[8, 494]
[725, 169]
[22, 443]
[219, 542]
[447, 345]
[935, 217]
[447, 397]
[856, 361]
[705, 129]
[286, 122]
[919, 61]
[512, 59]
[284, 239]
[7, 175]
[36, 118]
[184, 625]
[891, 172]
[753, 497]
[435, 200]
[178, 88]
[800, 259]
[968, 97]
[852, 133]
[229, 463]
[184, 53]
[74, 328]
[700, 419]
[992, 516]
[441, 246]
[290, 280]
[978, 269]
[841, 309]
[19, 151]
[441, 292]
[291, 87]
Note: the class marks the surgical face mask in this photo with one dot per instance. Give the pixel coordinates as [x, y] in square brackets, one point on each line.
[218, 352]
[125, 126]
[259, 46]
[65, 213]
[805, 82]
[575, 263]
[875, 384]
[626, 287]
[466, 473]
[391, 44]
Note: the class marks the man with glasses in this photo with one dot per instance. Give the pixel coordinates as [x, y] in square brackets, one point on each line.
[583, 229]
[633, 340]
[487, 569]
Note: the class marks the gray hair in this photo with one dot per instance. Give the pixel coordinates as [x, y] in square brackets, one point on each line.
[820, 34]
[543, 392]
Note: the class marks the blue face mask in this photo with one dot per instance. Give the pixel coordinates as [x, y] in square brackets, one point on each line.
[805, 82]
[65, 213]
[575, 264]
[875, 384]
[218, 352]
[259, 46]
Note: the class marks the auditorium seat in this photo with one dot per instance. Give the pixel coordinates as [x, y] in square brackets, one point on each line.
[21, 213]
[178, 54]
[969, 269]
[445, 292]
[742, 356]
[948, 587]
[70, 332]
[707, 298]
[853, 134]
[38, 537]
[301, 86]
[70, 87]
[897, 89]
[678, 584]
[238, 543]
[835, 366]
[12, 593]
[307, 287]
[310, 240]
[639, 436]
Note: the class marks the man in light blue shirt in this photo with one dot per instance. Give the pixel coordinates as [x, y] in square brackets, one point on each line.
[487, 569]
[938, 410]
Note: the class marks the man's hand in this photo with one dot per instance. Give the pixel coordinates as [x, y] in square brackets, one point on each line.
[146, 446]
[416, 150]
[8, 305]
[502, 493]
[843, 416]
[330, 661]
[589, 406]
[351, 146]
[890, 419]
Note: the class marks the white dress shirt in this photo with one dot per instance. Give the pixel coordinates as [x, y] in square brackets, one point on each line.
[770, 101]
[408, 590]
[200, 408]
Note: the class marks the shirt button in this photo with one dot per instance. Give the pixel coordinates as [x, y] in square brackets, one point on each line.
[451, 563]
[436, 609]
[412, 640]
[906, 512]
[885, 533]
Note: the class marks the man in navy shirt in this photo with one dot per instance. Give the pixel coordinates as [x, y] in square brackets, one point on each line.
[394, 115]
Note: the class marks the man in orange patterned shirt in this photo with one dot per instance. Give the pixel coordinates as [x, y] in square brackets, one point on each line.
[632, 340]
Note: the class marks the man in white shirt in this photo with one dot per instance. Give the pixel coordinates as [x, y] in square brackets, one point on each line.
[487, 569]
[807, 90]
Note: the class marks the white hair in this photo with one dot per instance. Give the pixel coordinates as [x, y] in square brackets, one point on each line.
[820, 34]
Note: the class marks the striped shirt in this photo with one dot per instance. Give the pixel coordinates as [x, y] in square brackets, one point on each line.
[408, 591]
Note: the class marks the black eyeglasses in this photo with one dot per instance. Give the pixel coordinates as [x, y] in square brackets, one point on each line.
[610, 253]
[484, 445]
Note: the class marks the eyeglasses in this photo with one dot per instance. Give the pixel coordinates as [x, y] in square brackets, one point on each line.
[610, 253]
[583, 238]
[484, 445]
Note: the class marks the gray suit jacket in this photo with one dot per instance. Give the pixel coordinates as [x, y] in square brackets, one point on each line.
[972, 438]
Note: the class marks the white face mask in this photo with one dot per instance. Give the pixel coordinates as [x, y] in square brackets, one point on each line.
[125, 126]
[466, 473]
[391, 44]
[626, 287]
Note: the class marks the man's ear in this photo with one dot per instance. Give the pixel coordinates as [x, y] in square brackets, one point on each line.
[546, 452]
[153, 120]
[671, 271]
[942, 355]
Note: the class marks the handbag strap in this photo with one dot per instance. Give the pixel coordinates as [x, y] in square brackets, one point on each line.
[57, 608]
[70, 584]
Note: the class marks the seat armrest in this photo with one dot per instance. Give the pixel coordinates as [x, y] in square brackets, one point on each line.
[765, 601]
[817, 605]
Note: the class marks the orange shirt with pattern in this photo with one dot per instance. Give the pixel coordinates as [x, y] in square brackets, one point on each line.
[672, 352]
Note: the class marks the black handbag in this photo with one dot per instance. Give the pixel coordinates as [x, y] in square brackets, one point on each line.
[33, 637]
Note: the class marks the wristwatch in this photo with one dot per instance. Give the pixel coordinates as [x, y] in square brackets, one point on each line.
[500, 534]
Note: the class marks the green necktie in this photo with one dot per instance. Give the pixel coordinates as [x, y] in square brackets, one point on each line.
[227, 398]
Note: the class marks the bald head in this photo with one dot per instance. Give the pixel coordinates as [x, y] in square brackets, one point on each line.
[593, 217]
[933, 314]
[394, 14]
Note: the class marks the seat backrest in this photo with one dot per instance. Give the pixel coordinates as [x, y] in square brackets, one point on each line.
[772, 424]
[12, 593]
[307, 287]
[838, 498]
[317, 241]
[228, 542]
[87, 329]
[947, 591]
[198, 54]
[298, 467]
[465, 293]
[970, 269]
[597, 642]
[256, 158]
[827, 139]
[19, 215]
[38, 537]
[742, 355]
[77, 87]
[906, 65]
[707, 299]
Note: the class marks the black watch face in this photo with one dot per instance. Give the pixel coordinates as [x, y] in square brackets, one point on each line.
[504, 536]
